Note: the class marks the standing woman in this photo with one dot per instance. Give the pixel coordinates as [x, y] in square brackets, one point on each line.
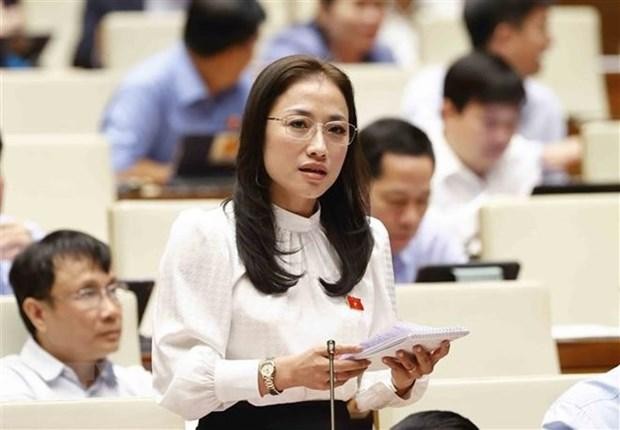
[250, 292]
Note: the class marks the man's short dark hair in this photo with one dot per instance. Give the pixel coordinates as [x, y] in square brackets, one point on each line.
[215, 25]
[483, 78]
[431, 420]
[483, 16]
[33, 271]
[396, 136]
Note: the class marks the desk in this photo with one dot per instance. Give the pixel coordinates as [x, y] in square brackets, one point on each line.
[588, 355]
[172, 192]
[613, 92]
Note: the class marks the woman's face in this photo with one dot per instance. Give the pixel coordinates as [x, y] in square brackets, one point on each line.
[302, 169]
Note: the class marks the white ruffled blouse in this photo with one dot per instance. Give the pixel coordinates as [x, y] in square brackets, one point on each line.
[212, 326]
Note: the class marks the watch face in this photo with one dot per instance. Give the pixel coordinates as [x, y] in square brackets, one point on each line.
[266, 369]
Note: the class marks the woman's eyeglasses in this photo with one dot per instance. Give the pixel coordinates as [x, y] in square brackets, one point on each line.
[303, 128]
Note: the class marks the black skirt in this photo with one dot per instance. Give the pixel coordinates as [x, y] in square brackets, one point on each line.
[288, 416]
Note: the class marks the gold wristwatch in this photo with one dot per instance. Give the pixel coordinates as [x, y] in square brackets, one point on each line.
[267, 369]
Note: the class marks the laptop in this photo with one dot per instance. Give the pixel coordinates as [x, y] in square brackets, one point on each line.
[470, 272]
[206, 160]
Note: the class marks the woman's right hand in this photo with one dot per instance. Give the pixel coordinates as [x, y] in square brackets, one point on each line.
[310, 369]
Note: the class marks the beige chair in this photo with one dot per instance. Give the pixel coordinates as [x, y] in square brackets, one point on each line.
[571, 67]
[39, 101]
[508, 321]
[443, 38]
[59, 181]
[490, 403]
[102, 413]
[149, 34]
[13, 332]
[139, 231]
[601, 151]
[61, 19]
[571, 243]
[378, 89]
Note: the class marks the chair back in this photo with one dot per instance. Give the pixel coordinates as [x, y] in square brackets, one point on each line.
[507, 321]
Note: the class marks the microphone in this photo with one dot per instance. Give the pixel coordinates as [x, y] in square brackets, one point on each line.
[331, 350]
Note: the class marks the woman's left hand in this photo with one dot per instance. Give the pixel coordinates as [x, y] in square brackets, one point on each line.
[408, 366]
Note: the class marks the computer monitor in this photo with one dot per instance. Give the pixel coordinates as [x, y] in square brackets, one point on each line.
[470, 272]
[578, 188]
[27, 47]
[206, 160]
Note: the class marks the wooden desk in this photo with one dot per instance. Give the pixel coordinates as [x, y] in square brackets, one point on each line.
[613, 93]
[157, 192]
[589, 356]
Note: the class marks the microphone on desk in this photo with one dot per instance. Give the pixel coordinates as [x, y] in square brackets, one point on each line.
[331, 350]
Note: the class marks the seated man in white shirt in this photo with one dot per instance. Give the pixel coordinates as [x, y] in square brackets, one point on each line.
[516, 31]
[401, 161]
[477, 154]
[68, 301]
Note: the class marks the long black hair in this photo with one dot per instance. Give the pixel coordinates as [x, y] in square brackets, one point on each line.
[344, 206]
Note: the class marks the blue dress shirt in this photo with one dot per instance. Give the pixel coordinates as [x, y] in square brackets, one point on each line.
[163, 100]
[309, 39]
[5, 265]
[591, 404]
[432, 244]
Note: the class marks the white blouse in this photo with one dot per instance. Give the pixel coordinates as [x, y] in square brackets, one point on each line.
[212, 326]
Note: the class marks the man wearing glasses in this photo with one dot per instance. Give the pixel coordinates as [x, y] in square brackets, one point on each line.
[68, 300]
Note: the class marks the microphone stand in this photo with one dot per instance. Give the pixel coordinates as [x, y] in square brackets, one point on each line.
[331, 350]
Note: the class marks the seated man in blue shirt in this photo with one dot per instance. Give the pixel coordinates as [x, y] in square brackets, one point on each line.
[401, 161]
[68, 301]
[197, 87]
[344, 31]
[590, 404]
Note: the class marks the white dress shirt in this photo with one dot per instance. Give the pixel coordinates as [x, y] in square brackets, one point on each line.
[542, 117]
[458, 193]
[212, 327]
[432, 244]
[35, 374]
[591, 404]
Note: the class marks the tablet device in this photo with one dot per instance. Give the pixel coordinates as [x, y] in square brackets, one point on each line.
[470, 272]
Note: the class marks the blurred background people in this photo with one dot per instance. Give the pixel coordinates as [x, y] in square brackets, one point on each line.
[198, 87]
[343, 31]
[478, 154]
[401, 161]
[516, 31]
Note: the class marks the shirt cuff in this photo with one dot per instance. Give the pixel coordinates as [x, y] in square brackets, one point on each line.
[236, 380]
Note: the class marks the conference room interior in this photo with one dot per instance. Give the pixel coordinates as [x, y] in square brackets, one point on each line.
[559, 319]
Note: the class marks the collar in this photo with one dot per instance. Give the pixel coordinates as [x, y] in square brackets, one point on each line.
[50, 368]
[296, 223]
[447, 163]
[189, 84]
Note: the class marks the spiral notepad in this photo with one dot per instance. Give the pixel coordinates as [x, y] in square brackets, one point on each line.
[404, 336]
